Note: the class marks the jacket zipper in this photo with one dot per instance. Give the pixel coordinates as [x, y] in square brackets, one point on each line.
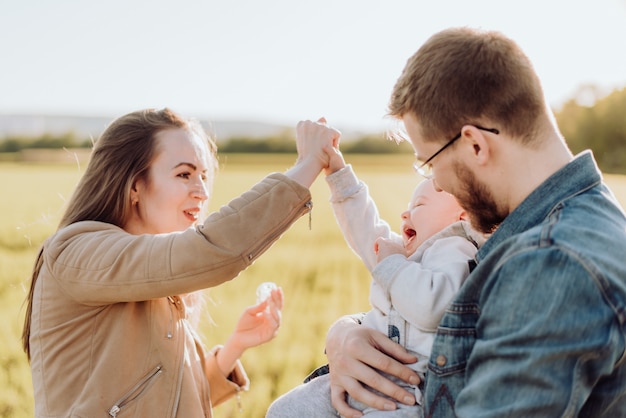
[178, 387]
[136, 391]
[176, 301]
[309, 206]
[169, 335]
[239, 404]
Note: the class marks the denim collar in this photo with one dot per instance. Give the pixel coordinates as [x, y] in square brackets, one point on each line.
[578, 175]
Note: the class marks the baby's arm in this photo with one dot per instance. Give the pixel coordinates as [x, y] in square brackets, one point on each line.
[356, 212]
[420, 292]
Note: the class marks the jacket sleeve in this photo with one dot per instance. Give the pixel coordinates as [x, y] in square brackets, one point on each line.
[97, 263]
[223, 388]
[549, 338]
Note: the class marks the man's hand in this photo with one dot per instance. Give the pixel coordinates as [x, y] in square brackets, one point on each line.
[355, 355]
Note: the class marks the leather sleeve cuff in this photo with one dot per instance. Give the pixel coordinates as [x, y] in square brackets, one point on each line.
[223, 388]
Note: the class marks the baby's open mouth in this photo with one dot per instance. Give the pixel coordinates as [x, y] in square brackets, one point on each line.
[409, 234]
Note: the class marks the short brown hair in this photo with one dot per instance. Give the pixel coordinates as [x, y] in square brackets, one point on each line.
[463, 76]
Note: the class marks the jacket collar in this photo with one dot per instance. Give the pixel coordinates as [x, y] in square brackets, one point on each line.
[577, 176]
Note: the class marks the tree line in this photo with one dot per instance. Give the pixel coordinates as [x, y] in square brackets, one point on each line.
[599, 126]
[280, 143]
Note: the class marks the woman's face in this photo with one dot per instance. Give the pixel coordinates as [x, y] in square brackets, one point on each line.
[172, 196]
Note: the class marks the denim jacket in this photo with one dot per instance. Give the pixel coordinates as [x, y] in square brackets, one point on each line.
[538, 328]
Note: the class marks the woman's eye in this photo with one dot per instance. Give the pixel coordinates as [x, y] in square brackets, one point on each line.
[204, 177]
[184, 175]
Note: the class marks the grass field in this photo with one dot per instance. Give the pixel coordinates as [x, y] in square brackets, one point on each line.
[321, 277]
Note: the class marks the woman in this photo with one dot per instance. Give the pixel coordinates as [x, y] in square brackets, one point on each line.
[110, 328]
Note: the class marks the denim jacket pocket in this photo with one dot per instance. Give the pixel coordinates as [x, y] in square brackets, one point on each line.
[455, 339]
[456, 336]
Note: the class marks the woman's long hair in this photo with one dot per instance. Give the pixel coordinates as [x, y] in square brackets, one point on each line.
[121, 156]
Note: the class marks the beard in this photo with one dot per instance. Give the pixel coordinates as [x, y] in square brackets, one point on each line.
[478, 202]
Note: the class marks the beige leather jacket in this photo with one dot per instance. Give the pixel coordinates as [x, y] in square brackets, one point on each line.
[109, 336]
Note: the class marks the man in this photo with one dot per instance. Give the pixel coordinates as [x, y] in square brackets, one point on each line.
[539, 327]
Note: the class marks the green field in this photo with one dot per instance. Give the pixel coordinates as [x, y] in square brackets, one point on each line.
[321, 277]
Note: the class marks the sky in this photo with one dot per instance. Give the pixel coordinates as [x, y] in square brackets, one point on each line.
[277, 61]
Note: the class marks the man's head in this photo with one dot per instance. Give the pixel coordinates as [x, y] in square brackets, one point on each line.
[472, 105]
[466, 76]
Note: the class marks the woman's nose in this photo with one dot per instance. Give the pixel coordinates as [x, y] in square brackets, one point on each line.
[200, 191]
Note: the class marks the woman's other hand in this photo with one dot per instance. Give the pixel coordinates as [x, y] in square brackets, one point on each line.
[257, 325]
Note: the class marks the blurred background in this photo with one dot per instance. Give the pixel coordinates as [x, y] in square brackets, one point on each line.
[251, 67]
[250, 71]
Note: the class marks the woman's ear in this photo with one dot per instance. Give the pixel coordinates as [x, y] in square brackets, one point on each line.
[134, 194]
[463, 216]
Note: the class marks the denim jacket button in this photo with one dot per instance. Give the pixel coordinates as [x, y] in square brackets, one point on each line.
[441, 360]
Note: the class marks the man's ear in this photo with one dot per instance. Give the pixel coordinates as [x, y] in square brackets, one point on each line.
[478, 142]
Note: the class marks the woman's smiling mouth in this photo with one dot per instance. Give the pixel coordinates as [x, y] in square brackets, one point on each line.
[192, 214]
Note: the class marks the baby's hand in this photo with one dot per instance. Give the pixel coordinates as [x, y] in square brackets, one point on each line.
[335, 159]
[384, 247]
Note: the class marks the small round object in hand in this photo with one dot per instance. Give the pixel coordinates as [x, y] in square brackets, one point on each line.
[264, 291]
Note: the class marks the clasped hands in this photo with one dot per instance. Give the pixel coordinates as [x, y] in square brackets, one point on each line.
[312, 139]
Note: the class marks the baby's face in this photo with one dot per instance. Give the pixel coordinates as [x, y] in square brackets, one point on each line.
[429, 212]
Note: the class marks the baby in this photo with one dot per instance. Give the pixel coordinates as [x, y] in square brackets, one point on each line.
[414, 276]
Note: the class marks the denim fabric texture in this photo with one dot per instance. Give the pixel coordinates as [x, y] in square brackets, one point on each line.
[538, 328]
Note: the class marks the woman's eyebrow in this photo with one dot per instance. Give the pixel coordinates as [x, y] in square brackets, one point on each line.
[190, 165]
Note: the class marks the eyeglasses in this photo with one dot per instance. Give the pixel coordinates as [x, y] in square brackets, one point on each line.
[426, 169]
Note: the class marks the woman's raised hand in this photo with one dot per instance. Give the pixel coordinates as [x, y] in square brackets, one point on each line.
[312, 137]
